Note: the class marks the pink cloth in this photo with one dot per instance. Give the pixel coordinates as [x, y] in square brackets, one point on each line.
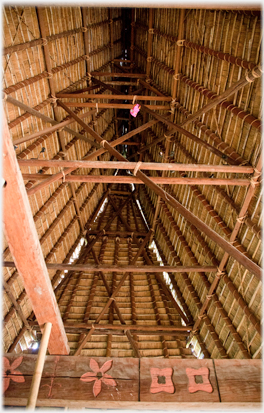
[135, 110]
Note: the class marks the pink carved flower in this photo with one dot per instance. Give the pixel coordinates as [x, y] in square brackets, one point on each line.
[99, 375]
[10, 373]
[135, 110]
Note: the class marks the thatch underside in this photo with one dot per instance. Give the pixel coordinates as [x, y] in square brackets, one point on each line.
[55, 50]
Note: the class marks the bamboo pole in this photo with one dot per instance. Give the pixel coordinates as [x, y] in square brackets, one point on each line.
[220, 55]
[42, 75]
[23, 46]
[242, 114]
[34, 389]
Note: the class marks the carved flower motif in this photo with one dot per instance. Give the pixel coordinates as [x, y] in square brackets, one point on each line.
[99, 375]
[161, 380]
[10, 373]
[205, 385]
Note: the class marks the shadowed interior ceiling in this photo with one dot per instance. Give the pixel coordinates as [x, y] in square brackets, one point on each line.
[113, 197]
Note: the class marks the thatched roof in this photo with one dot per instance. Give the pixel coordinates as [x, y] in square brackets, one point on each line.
[54, 50]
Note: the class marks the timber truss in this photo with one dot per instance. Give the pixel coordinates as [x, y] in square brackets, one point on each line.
[118, 218]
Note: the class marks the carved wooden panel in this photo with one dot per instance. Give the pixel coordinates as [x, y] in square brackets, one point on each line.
[66, 378]
[171, 382]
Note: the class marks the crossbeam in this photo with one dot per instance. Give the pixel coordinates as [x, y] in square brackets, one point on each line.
[34, 112]
[150, 166]
[111, 74]
[130, 327]
[112, 105]
[122, 268]
[228, 247]
[132, 180]
[118, 97]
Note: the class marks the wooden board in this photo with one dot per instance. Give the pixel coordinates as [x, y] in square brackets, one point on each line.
[61, 378]
[179, 379]
[153, 382]
[242, 382]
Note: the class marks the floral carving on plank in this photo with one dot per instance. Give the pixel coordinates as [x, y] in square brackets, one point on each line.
[99, 375]
[10, 373]
[161, 380]
[204, 386]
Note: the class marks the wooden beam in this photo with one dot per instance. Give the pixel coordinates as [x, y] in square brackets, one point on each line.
[149, 41]
[110, 74]
[112, 105]
[115, 306]
[250, 265]
[122, 268]
[120, 234]
[85, 89]
[15, 304]
[57, 126]
[226, 104]
[112, 298]
[227, 246]
[150, 166]
[242, 213]
[91, 156]
[118, 97]
[151, 88]
[48, 119]
[22, 237]
[180, 129]
[128, 327]
[130, 179]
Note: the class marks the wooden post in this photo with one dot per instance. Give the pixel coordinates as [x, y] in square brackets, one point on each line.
[34, 389]
[23, 241]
